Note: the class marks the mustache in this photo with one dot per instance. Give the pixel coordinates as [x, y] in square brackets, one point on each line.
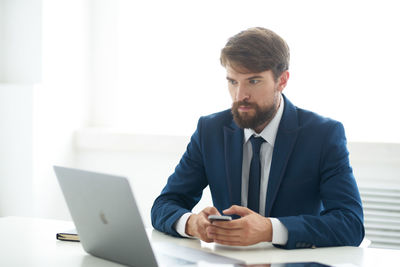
[243, 103]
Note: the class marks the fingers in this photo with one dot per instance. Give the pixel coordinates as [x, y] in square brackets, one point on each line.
[227, 232]
[251, 228]
[234, 224]
[241, 211]
[213, 231]
[197, 224]
[210, 211]
[247, 230]
[226, 237]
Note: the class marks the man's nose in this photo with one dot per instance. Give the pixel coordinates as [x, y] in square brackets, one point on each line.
[242, 93]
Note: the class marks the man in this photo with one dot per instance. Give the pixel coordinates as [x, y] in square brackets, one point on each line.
[281, 171]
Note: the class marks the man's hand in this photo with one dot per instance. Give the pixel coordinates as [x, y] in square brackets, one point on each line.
[197, 224]
[250, 229]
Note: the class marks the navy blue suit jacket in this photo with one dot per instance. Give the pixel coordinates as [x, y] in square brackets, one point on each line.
[311, 187]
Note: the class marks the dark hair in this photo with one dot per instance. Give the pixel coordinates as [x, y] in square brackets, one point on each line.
[256, 50]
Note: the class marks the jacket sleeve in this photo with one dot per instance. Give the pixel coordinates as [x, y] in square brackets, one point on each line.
[184, 187]
[340, 222]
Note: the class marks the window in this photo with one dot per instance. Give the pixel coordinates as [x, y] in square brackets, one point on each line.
[166, 71]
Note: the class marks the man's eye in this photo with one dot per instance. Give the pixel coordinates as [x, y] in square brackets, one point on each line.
[254, 81]
[232, 82]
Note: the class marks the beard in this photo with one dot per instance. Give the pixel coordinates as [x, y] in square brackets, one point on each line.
[261, 115]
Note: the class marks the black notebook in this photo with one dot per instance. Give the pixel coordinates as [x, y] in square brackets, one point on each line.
[70, 235]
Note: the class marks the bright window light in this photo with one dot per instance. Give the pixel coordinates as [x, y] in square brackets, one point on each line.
[344, 62]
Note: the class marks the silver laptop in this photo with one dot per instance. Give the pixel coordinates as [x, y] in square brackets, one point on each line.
[109, 225]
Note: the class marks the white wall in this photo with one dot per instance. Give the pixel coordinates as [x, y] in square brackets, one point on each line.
[16, 162]
[104, 66]
[44, 101]
[2, 48]
[20, 69]
[376, 164]
[20, 21]
[61, 101]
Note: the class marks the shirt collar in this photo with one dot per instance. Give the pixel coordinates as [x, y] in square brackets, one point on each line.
[270, 131]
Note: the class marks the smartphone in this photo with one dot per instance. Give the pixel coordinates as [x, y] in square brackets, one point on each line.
[219, 218]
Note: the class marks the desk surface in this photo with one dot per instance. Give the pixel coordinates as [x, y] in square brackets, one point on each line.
[32, 242]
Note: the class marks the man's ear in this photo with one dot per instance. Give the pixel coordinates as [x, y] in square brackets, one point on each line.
[283, 80]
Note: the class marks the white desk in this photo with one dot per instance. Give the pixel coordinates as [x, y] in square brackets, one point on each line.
[32, 242]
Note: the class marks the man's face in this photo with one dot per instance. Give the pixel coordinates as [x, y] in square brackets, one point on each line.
[255, 96]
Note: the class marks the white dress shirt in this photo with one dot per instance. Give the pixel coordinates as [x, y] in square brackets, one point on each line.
[279, 231]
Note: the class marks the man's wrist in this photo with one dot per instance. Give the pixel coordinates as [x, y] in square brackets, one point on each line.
[187, 226]
[268, 232]
[180, 224]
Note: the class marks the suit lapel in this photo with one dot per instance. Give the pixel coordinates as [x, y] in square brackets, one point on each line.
[233, 142]
[284, 143]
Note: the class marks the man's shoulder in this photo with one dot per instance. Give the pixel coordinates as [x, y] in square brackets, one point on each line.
[307, 116]
[303, 118]
[309, 120]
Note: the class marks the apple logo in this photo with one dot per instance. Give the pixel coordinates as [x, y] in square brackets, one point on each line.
[103, 217]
